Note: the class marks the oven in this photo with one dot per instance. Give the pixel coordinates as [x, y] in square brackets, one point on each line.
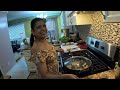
[103, 56]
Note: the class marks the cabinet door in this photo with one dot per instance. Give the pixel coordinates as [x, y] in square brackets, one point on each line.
[68, 13]
[73, 20]
[67, 21]
[111, 16]
[61, 19]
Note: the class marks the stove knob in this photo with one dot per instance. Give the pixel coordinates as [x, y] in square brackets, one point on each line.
[102, 47]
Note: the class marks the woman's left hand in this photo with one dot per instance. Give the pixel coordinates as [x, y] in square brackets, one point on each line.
[60, 50]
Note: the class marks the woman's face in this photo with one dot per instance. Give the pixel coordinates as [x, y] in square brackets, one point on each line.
[40, 30]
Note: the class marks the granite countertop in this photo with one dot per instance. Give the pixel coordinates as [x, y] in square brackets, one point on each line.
[110, 74]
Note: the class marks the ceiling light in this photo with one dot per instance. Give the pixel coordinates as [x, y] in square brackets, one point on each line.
[45, 16]
[41, 16]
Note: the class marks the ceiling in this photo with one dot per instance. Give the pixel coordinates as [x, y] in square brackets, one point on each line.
[13, 15]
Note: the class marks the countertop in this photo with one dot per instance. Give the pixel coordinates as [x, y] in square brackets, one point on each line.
[110, 74]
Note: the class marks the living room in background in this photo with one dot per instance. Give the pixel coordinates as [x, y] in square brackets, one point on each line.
[17, 32]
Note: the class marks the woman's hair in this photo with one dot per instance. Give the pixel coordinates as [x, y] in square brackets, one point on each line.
[33, 22]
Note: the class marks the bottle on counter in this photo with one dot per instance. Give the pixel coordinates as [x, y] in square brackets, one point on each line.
[117, 70]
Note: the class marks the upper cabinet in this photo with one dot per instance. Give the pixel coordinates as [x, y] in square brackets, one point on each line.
[111, 16]
[68, 13]
[63, 20]
[79, 18]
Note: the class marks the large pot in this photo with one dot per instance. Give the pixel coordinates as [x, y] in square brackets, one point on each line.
[77, 64]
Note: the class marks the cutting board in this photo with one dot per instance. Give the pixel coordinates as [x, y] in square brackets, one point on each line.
[72, 48]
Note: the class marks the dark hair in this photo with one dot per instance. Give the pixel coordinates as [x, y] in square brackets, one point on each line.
[33, 22]
[31, 40]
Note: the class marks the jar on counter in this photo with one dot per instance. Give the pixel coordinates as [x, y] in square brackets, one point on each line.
[117, 70]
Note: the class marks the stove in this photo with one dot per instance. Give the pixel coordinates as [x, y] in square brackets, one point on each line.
[102, 60]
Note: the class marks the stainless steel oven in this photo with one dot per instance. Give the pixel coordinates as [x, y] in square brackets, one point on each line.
[103, 56]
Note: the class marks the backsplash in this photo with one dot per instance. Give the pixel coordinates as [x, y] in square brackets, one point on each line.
[108, 32]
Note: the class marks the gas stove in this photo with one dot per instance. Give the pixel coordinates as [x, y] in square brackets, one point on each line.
[102, 60]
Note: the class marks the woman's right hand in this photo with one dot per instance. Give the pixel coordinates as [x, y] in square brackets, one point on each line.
[69, 76]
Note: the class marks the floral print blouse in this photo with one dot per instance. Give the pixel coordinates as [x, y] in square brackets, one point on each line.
[50, 57]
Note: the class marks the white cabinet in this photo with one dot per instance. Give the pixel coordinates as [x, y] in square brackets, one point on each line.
[63, 20]
[68, 17]
[111, 16]
[68, 13]
[80, 19]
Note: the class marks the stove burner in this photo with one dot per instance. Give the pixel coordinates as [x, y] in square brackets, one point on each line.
[97, 64]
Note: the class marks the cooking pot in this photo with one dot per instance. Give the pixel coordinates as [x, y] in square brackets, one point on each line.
[77, 64]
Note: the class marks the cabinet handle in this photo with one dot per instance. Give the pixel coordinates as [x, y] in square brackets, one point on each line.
[102, 47]
[71, 21]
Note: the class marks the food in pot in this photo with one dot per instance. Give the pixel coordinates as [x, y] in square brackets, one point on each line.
[75, 64]
[85, 65]
[79, 65]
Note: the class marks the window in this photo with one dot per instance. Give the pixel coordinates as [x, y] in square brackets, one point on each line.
[17, 32]
[51, 26]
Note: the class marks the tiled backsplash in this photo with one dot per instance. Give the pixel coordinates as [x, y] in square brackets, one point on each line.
[108, 32]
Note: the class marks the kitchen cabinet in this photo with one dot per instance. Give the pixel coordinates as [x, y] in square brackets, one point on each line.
[68, 13]
[63, 20]
[67, 17]
[111, 16]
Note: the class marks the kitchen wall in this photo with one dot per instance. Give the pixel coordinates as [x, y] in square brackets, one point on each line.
[59, 26]
[27, 27]
[108, 32]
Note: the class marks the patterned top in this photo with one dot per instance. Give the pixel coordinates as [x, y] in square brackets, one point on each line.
[50, 57]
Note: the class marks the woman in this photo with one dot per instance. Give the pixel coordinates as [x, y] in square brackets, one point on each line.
[43, 54]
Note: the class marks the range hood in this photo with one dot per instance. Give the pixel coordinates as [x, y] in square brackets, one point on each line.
[80, 18]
